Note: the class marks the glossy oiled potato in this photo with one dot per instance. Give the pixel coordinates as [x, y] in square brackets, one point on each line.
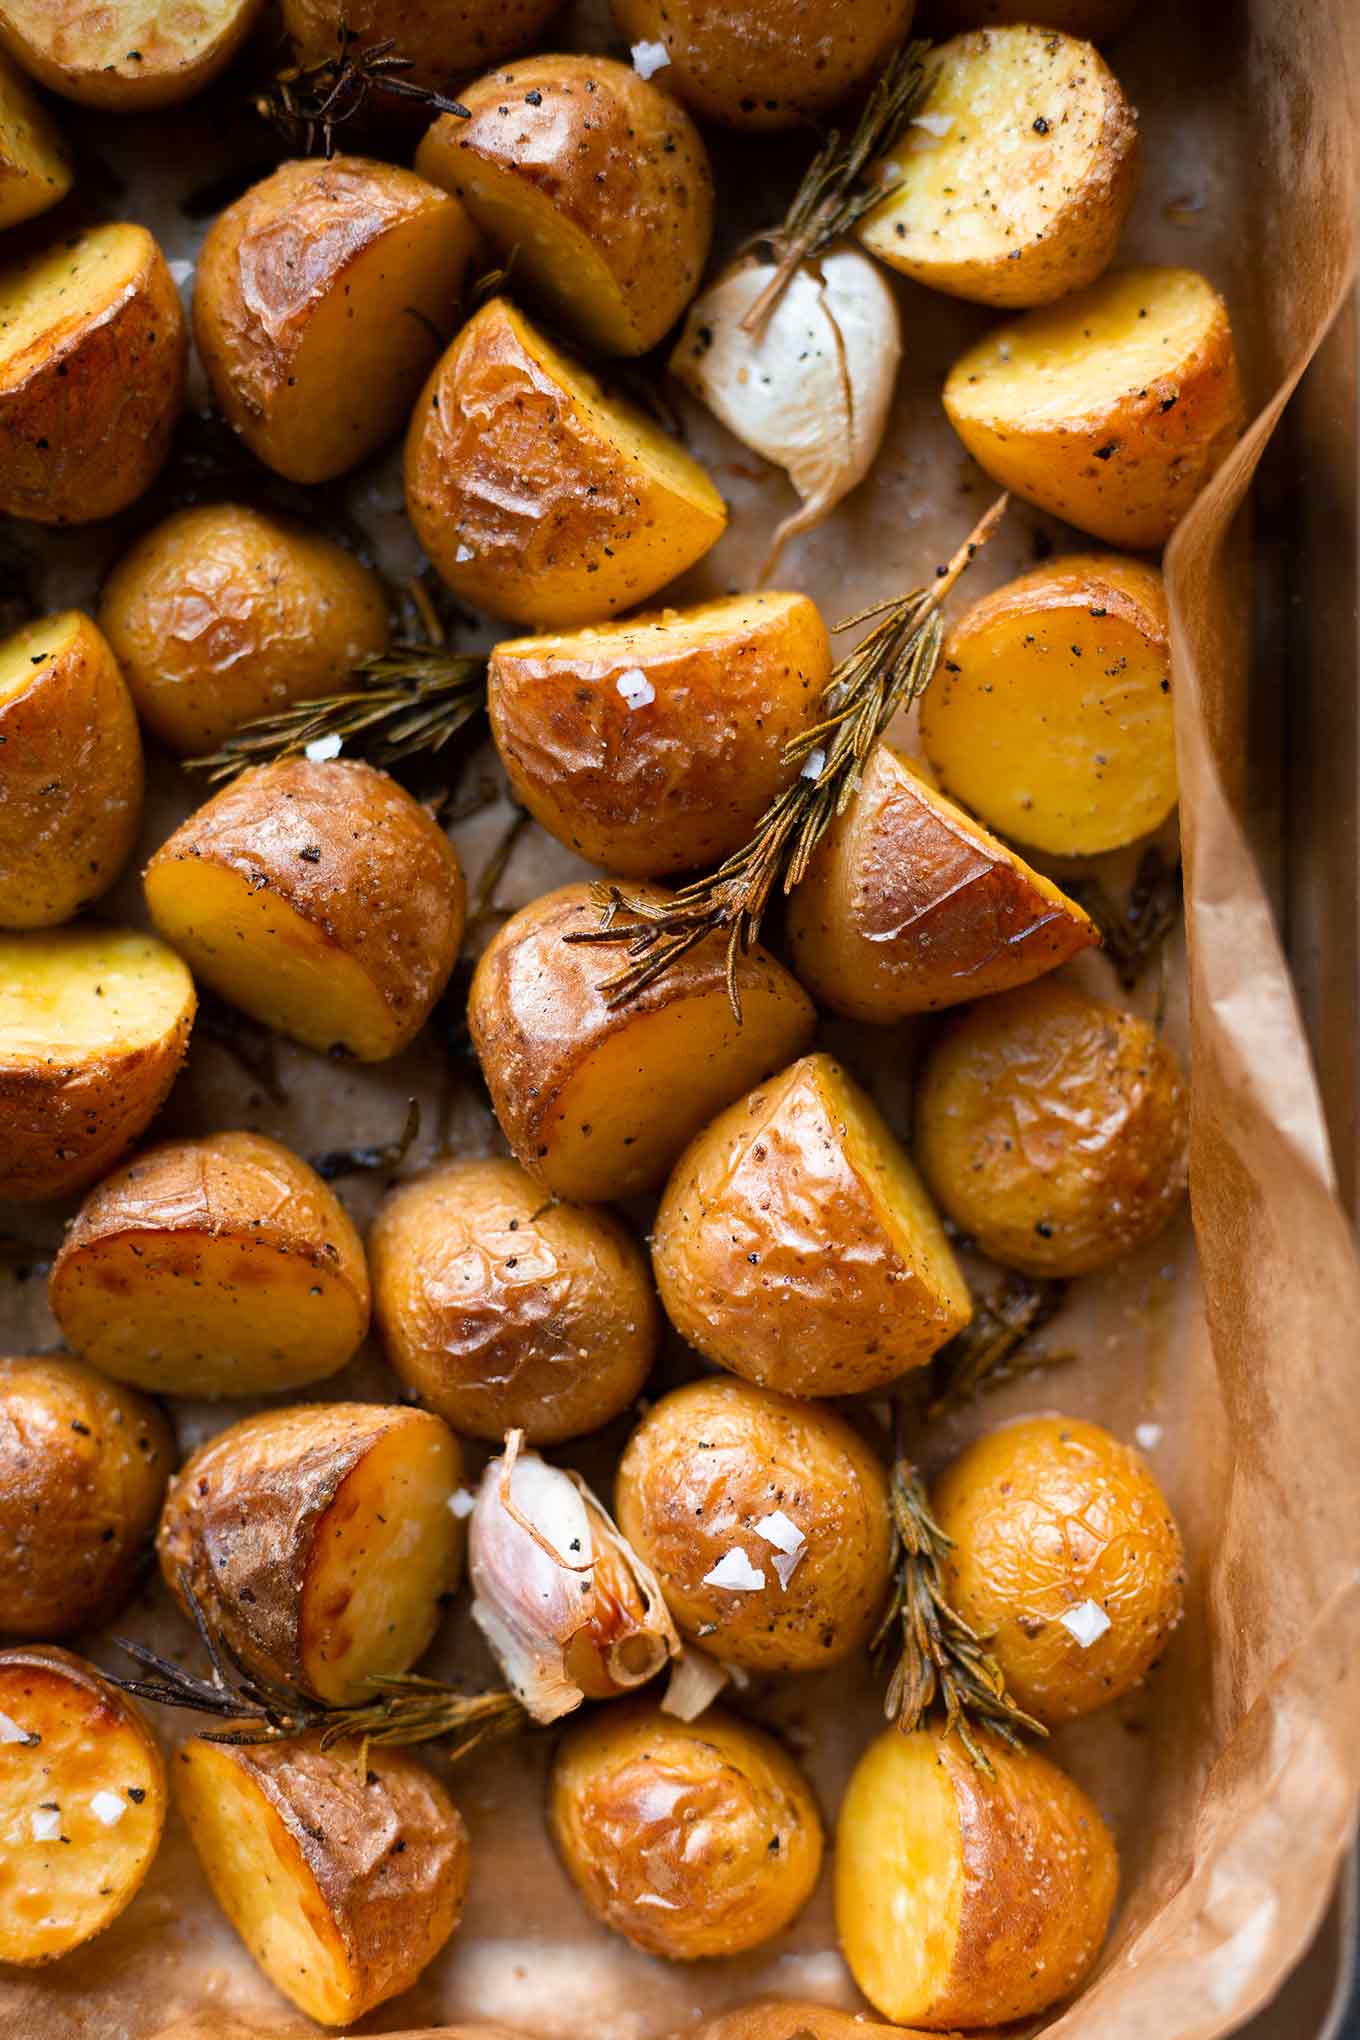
[691, 1839]
[442, 40]
[780, 1497]
[1052, 1128]
[222, 614]
[127, 55]
[35, 170]
[597, 1100]
[655, 745]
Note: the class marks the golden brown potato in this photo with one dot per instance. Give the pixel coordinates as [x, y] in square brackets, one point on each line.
[596, 1100]
[71, 787]
[82, 1803]
[766, 2019]
[321, 299]
[537, 495]
[1111, 409]
[222, 614]
[1066, 1558]
[909, 904]
[94, 1023]
[442, 42]
[964, 1900]
[344, 1880]
[724, 1479]
[128, 56]
[83, 1467]
[1053, 1129]
[321, 898]
[319, 1541]
[688, 1838]
[1051, 715]
[93, 350]
[35, 170]
[655, 745]
[598, 182]
[1096, 20]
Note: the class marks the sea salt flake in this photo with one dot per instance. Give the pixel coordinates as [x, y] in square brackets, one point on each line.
[649, 57]
[781, 1531]
[45, 1824]
[1148, 1437]
[108, 1807]
[934, 123]
[462, 1502]
[10, 1730]
[322, 749]
[636, 689]
[813, 768]
[180, 273]
[736, 1570]
[463, 555]
[786, 1565]
[1088, 1622]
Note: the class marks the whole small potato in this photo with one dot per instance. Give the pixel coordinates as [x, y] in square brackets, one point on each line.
[35, 169]
[222, 614]
[128, 56]
[690, 1839]
[83, 1467]
[442, 40]
[721, 1478]
[1053, 1129]
[507, 1311]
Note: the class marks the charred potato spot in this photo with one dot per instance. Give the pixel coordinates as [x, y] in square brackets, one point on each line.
[35, 170]
[134, 55]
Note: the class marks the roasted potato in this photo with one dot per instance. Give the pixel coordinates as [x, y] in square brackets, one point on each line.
[343, 1878]
[799, 1197]
[688, 1838]
[1053, 1129]
[1012, 182]
[909, 904]
[35, 170]
[128, 56]
[597, 181]
[83, 1467]
[766, 2019]
[1111, 409]
[442, 43]
[1096, 20]
[765, 1521]
[320, 301]
[94, 1023]
[321, 898]
[964, 1899]
[1051, 715]
[506, 1313]
[222, 614]
[319, 1541]
[655, 745]
[597, 1100]
[82, 1803]
[93, 349]
[71, 788]
[1066, 1558]
[539, 497]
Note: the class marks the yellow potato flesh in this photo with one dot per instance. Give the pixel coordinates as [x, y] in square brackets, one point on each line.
[87, 992]
[896, 1192]
[133, 53]
[900, 1886]
[23, 656]
[34, 170]
[64, 289]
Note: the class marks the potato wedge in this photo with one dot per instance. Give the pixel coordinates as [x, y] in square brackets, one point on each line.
[321, 898]
[94, 1023]
[319, 1541]
[1111, 409]
[539, 497]
[910, 905]
[343, 1881]
[130, 56]
[320, 301]
[656, 745]
[1051, 715]
[596, 1100]
[82, 1803]
[964, 1900]
[442, 43]
[35, 170]
[71, 787]
[93, 349]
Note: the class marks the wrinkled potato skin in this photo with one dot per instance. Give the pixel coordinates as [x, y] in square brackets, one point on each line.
[83, 1468]
[704, 1466]
[443, 42]
[1053, 1130]
[173, 61]
[708, 1855]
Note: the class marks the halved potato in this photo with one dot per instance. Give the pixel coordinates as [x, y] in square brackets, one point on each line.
[321, 898]
[596, 1100]
[539, 497]
[1051, 715]
[319, 1541]
[35, 170]
[93, 349]
[909, 904]
[320, 300]
[1111, 409]
[128, 55]
[655, 745]
[71, 781]
[94, 1023]
[82, 1803]
[343, 1879]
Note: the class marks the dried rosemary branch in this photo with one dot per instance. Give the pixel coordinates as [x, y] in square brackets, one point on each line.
[310, 100]
[994, 1346]
[353, 1161]
[1134, 934]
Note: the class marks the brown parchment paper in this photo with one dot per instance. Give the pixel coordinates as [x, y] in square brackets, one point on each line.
[1230, 1778]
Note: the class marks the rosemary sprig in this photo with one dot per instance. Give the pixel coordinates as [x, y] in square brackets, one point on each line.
[994, 1346]
[887, 670]
[353, 1161]
[310, 100]
[1133, 934]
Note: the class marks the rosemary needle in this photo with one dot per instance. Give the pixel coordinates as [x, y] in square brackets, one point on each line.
[307, 101]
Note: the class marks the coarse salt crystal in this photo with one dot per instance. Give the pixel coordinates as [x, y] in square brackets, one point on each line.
[10, 1730]
[180, 272]
[934, 123]
[44, 1824]
[321, 749]
[1148, 1437]
[463, 555]
[786, 1565]
[813, 768]
[636, 689]
[1088, 1622]
[649, 57]
[462, 1502]
[108, 1807]
[735, 1569]
[779, 1530]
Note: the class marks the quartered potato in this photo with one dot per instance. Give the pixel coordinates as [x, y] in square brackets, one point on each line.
[1111, 409]
[442, 40]
[35, 170]
[82, 1803]
[129, 55]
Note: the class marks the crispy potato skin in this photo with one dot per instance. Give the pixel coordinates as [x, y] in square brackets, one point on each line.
[709, 1462]
[35, 169]
[130, 60]
[83, 1468]
[442, 42]
[644, 1808]
[1053, 1129]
